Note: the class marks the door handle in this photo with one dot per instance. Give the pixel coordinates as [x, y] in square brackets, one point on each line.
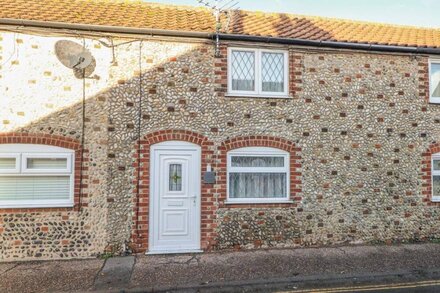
[194, 197]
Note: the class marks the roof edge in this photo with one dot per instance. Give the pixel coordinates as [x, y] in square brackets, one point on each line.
[331, 44]
[102, 28]
[223, 36]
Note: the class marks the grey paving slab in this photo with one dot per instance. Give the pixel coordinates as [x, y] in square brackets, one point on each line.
[156, 272]
[49, 276]
[115, 274]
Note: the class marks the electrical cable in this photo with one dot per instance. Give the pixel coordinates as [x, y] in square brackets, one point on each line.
[139, 148]
[81, 177]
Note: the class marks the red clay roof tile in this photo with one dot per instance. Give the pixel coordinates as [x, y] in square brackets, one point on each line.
[138, 14]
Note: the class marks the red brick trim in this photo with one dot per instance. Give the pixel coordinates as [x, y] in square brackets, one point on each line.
[221, 72]
[260, 141]
[426, 174]
[295, 70]
[423, 74]
[139, 237]
[53, 140]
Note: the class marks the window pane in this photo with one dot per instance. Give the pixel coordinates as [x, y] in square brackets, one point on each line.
[435, 80]
[272, 71]
[246, 161]
[436, 165]
[257, 185]
[34, 187]
[243, 71]
[175, 177]
[436, 185]
[47, 163]
[7, 163]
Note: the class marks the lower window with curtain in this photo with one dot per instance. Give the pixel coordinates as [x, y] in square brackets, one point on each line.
[258, 174]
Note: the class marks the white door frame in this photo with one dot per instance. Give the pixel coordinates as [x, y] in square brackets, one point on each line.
[170, 149]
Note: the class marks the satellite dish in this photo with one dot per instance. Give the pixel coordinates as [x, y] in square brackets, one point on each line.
[81, 61]
[73, 55]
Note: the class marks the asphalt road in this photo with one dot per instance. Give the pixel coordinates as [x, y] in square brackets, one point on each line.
[416, 281]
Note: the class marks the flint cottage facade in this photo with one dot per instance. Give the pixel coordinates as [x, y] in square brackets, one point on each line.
[291, 131]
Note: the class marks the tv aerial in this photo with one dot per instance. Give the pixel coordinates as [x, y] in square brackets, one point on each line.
[219, 8]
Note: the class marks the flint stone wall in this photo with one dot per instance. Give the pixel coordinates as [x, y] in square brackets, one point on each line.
[362, 122]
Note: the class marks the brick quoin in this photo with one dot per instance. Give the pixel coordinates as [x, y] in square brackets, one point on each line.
[261, 141]
[52, 140]
[139, 237]
[426, 174]
[423, 73]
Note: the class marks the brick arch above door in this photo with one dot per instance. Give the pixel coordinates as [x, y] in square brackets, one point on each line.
[140, 228]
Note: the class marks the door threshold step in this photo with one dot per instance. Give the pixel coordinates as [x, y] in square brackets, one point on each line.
[174, 251]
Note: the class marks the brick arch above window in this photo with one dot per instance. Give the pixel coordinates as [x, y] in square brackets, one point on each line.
[261, 141]
[58, 141]
[433, 149]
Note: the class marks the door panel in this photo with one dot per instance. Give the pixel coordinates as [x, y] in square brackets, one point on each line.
[175, 197]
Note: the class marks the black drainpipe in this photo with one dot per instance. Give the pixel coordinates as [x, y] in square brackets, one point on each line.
[223, 36]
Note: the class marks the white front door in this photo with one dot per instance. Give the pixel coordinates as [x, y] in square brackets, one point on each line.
[175, 197]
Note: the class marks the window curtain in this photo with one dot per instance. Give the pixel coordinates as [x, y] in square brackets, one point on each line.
[435, 79]
[243, 71]
[258, 184]
[272, 72]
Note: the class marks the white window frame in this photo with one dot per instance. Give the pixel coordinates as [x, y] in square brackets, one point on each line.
[26, 156]
[16, 156]
[259, 152]
[258, 92]
[434, 100]
[434, 197]
[24, 151]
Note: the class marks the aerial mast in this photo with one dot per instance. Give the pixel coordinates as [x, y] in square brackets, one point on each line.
[219, 8]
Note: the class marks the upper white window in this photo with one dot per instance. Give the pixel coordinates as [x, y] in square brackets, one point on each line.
[258, 175]
[36, 176]
[434, 81]
[258, 72]
[435, 177]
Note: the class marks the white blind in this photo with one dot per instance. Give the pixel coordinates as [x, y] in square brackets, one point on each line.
[7, 163]
[47, 163]
[34, 188]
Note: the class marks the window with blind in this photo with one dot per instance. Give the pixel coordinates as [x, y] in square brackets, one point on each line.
[258, 174]
[256, 72]
[435, 172]
[36, 176]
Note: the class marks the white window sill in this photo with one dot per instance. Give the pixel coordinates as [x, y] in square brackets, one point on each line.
[257, 96]
[36, 206]
[232, 202]
[435, 199]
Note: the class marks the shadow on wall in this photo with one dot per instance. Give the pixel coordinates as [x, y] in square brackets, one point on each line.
[279, 25]
[162, 85]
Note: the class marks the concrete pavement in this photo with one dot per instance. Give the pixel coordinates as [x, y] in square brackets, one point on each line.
[242, 271]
